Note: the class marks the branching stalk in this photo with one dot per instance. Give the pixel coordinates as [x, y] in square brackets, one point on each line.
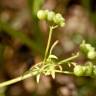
[20, 78]
[65, 72]
[49, 41]
[54, 44]
[69, 59]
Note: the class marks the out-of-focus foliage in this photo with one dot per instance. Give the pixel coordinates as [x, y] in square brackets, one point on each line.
[35, 6]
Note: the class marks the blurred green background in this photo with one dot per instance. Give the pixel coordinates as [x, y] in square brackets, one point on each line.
[23, 41]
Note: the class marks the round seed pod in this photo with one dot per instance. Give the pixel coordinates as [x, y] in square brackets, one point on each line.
[57, 18]
[41, 14]
[91, 55]
[62, 24]
[89, 47]
[50, 16]
[84, 47]
[94, 70]
[88, 69]
[78, 70]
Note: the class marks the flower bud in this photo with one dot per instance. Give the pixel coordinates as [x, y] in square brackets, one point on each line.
[83, 47]
[88, 69]
[94, 70]
[50, 16]
[78, 70]
[89, 47]
[41, 14]
[58, 18]
[91, 55]
[62, 19]
[86, 47]
[62, 24]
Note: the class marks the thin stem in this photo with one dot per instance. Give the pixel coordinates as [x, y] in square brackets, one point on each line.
[69, 59]
[20, 78]
[9, 82]
[54, 44]
[48, 42]
[65, 72]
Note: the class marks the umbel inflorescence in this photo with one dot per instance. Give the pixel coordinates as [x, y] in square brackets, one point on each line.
[89, 68]
[51, 16]
[86, 69]
[50, 65]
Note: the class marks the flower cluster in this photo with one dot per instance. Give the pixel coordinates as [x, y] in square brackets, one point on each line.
[51, 16]
[88, 69]
[85, 70]
[88, 50]
[51, 63]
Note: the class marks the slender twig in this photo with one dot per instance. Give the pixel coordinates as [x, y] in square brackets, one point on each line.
[65, 72]
[9, 82]
[48, 42]
[69, 59]
[27, 74]
[54, 44]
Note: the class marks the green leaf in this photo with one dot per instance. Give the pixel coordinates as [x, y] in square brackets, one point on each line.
[53, 57]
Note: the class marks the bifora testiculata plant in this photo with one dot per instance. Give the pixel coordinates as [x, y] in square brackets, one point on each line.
[50, 65]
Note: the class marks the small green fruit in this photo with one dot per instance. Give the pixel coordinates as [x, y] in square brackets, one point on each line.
[86, 47]
[89, 47]
[94, 70]
[78, 70]
[62, 19]
[50, 16]
[62, 24]
[91, 55]
[83, 48]
[58, 18]
[41, 14]
[88, 69]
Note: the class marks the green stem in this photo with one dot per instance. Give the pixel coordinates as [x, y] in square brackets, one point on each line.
[65, 72]
[9, 82]
[48, 42]
[52, 47]
[69, 59]
[20, 78]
